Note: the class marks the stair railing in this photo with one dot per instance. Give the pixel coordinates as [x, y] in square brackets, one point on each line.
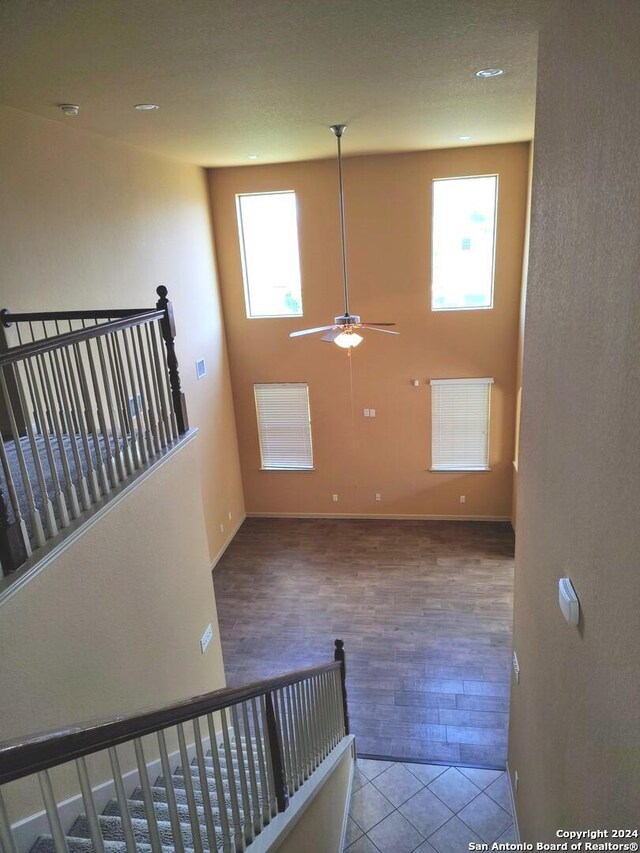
[87, 400]
[241, 754]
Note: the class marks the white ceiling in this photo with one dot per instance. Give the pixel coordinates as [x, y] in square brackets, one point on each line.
[235, 77]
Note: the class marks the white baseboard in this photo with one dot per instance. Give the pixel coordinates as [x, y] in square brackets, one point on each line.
[237, 527]
[27, 831]
[391, 516]
[513, 806]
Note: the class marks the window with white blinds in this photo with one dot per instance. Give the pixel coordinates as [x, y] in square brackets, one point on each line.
[284, 425]
[460, 424]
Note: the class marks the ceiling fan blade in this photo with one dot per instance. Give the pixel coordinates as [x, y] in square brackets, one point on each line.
[378, 324]
[374, 329]
[309, 331]
[333, 334]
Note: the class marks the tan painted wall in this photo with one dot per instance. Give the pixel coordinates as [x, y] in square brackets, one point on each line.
[575, 717]
[89, 223]
[388, 236]
[319, 828]
[113, 625]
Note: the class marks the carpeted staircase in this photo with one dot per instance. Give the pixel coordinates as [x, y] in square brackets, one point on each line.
[79, 838]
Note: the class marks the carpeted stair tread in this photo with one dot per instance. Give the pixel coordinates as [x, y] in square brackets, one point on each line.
[112, 830]
[84, 845]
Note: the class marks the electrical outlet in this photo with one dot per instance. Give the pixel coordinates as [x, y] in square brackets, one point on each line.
[201, 368]
[378, 496]
[372, 413]
[334, 498]
[463, 499]
[366, 413]
[516, 668]
[206, 638]
[222, 528]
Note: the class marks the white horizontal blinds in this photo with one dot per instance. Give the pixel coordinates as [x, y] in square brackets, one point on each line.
[460, 424]
[284, 425]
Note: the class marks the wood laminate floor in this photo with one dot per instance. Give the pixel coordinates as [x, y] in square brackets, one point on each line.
[424, 609]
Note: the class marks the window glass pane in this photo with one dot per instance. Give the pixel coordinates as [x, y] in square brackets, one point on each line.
[284, 425]
[464, 226]
[460, 424]
[268, 229]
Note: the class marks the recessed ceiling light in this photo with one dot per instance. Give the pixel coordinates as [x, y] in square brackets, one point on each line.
[490, 72]
[464, 138]
[252, 156]
[146, 107]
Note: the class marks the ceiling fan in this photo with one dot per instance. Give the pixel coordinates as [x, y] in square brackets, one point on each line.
[344, 330]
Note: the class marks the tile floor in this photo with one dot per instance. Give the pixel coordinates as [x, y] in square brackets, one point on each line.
[402, 808]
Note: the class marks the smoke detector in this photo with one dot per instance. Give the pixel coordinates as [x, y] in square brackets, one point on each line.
[69, 109]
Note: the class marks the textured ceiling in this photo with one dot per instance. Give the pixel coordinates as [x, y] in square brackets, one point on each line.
[235, 77]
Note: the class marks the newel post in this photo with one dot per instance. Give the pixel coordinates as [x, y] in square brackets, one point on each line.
[339, 656]
[168, 326]
[275, 750]
[12, 549]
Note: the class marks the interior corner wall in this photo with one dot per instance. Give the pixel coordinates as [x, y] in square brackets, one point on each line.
[388, 219]
[91, 223]
[575, 715]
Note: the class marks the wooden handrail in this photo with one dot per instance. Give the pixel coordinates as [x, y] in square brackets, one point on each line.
[18, 353]
[8, 317]
[26, 756]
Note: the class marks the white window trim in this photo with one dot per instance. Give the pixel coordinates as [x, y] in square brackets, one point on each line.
[243, 261]
[495, 243]
[273, 468]
[471, 381]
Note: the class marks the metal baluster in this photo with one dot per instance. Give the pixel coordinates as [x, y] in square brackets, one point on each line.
[107, 379]
[13, 496]
[57, 396]
[106, 442]
[302, 726]
[81, 480]
[194, 818]
[122, 403]
[29, 378]
[6, 837]
[325, 713]
[163, 424]
[233, 791]
[320, 717]
[244, 790]
[144, 366]
[174, 818]
[167, 381]
[47, 506]
[147, 797]
[204, 786]
[141, 447]
[89, 806]
[264, 787]
[220, 793]
[253, 779]
[333, 708]
[270, 732]
[121, 797]
[338, 690]
[275, 753]
[80, 424]
[36, 521]
[91, 421]
[57, 832]
[297, 735]
[63, 512]
[53, 410]
[311, 716]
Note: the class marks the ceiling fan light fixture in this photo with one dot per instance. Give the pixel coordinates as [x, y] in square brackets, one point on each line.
[348, 339]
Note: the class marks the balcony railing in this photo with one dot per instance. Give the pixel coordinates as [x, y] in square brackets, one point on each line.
[88, 399]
